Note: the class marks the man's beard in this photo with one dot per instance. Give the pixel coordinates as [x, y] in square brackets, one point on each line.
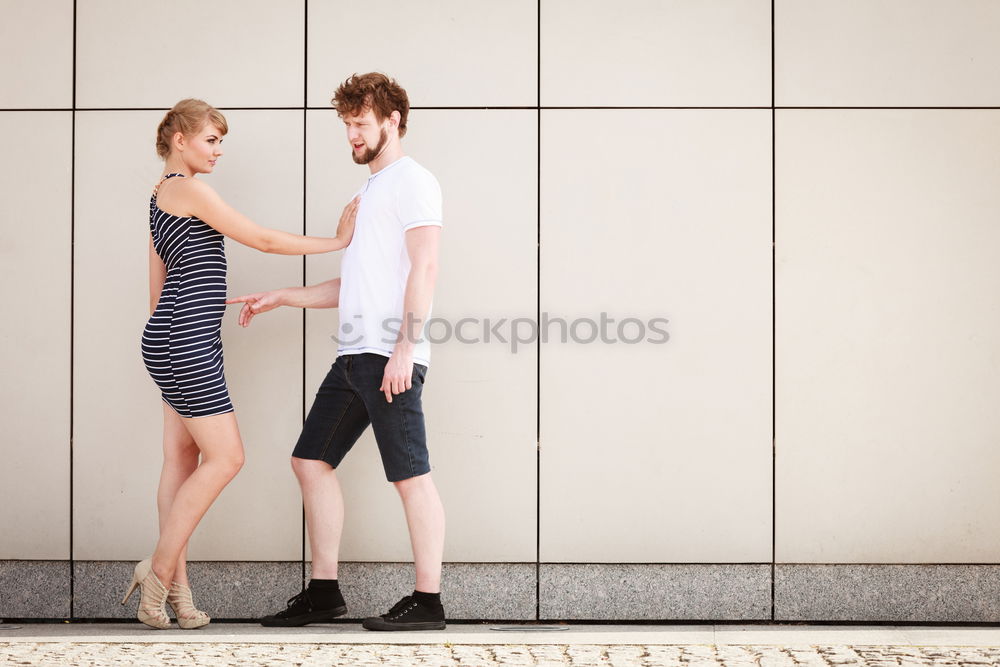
[372, 153]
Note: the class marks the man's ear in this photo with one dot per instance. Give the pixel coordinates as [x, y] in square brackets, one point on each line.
[394, 119]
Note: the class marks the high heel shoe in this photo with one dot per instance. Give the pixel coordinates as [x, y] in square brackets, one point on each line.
[180, 600]
[152, 596]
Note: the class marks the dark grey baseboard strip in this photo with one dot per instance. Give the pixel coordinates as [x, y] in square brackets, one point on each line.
[888, 593]
[655, 592]
[238, 590]
[958, 593]
[470, 591]
[246, 590]
[34, 589]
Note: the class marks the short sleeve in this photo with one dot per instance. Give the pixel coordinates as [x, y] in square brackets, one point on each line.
[419, 201]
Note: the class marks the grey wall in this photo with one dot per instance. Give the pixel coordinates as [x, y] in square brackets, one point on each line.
[806, 190]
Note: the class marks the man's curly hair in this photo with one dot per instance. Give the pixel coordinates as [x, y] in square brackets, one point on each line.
[373, 91]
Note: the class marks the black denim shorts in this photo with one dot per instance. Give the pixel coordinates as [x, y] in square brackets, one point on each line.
[349, 400]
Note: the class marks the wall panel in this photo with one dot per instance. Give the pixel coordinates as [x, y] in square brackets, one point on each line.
[655, 53]
[479, 398]
[40, 33]
[35, 265]
[887, 370]
[888, 53]
[232, 53]
[118, 414]
[445, 53]
[656, 452]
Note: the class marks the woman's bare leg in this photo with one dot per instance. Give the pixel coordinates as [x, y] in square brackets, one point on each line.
[180, 460]
[218, 440]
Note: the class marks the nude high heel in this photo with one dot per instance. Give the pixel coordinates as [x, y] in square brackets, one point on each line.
[181, 601]
[152, 596]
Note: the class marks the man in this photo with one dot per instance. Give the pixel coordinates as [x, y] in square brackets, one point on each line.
[384, 295]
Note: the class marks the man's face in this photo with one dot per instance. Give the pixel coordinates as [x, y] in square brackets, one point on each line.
[366, 136]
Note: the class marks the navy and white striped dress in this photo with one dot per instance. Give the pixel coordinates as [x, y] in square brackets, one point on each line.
[182, 341]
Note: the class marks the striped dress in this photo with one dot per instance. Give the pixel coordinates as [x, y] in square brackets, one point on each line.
[182, 341]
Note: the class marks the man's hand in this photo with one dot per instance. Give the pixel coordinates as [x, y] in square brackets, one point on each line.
[398, 376]
[254, 304]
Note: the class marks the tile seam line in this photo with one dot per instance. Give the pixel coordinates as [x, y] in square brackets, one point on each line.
[774, 199]
[768, 562]
[305, 218]
[72, 321]
[527, 107]
[538, 310]
[542, 108]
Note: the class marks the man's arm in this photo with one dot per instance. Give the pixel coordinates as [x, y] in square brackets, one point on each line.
[322, 295]
[422, 248]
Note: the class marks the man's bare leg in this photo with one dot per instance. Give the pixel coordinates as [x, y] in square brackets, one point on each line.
[324, 507]
[321, 601]
[426, 522]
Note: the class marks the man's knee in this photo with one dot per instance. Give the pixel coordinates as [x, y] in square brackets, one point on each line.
[307, 470]
[413, 484]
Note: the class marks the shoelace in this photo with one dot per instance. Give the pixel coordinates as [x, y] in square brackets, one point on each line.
[300, 598]
[400, 606]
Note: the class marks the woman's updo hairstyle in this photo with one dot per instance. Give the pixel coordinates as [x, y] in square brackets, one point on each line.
[187, 117]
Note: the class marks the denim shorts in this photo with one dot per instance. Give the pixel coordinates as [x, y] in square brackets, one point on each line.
[349, 400]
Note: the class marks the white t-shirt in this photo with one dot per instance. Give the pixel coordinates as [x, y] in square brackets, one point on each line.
[376, 265]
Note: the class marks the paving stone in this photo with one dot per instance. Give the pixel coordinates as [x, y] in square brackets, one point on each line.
[447, 655]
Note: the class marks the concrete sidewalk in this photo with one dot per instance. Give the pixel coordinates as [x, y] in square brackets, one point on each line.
[475, 645]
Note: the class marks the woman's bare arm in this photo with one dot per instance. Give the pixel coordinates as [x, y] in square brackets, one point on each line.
[202, 201]
[157, 276]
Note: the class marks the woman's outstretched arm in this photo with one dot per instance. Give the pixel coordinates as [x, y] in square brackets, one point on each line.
[207, 205]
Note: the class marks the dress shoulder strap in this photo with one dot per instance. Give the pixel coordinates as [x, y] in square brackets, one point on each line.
[157, 187]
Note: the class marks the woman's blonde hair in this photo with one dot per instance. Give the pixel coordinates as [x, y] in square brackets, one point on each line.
[187, 117]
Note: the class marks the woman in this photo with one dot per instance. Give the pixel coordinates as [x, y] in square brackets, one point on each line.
[182, 346]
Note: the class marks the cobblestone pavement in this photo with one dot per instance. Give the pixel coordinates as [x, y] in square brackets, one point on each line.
[549, 655]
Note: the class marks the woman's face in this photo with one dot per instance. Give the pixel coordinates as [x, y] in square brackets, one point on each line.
[201, 150]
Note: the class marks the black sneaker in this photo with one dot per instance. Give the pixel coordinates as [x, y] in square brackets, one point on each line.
[407, 614]
[301, 611]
